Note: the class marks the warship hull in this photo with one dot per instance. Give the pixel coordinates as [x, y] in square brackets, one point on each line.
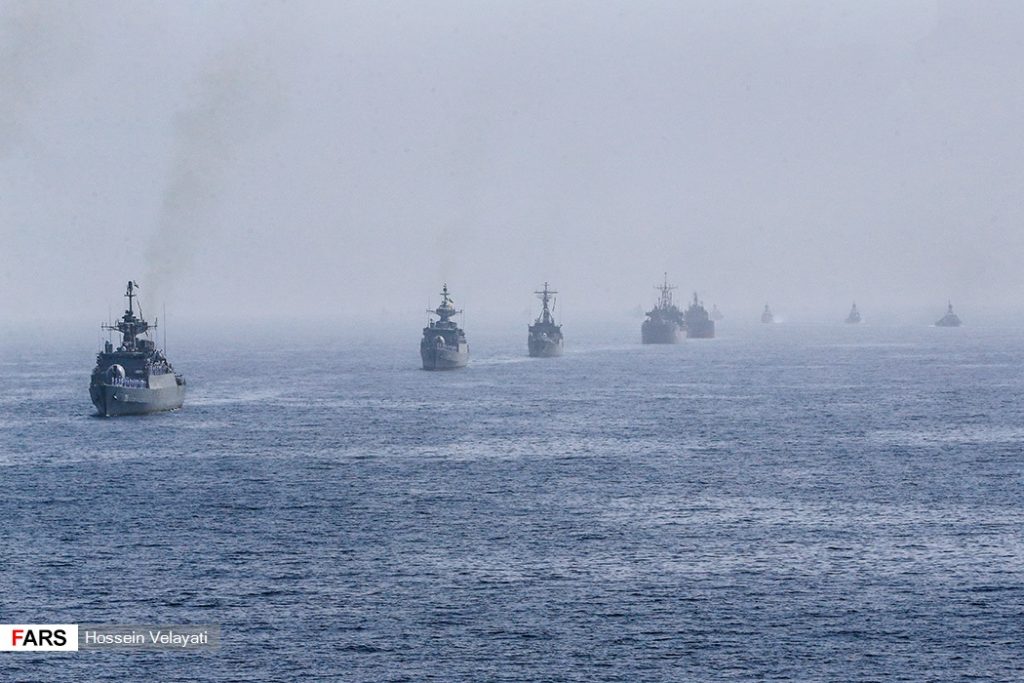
[545, 348]
[112, 401]
[443, 358]
[701, 330]
[659, 333]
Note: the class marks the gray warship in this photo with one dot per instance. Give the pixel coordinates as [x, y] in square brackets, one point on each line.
[716, 314]
[545, 337]
[135, 378]
[951, 319]
[664, 320]
[767, 316]
[854, 316]
[699, 324]
[444, 345]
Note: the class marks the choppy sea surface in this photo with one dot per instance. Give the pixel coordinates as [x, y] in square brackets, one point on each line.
[785, 502]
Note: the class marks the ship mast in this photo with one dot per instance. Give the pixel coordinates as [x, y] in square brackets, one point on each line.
[130, 326]
[545, 296]
[666, 293]
[447, 308]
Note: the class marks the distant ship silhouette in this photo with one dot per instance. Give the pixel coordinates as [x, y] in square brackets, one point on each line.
[951, 319]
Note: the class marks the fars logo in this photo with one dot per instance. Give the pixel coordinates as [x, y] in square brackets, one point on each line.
[38, 637]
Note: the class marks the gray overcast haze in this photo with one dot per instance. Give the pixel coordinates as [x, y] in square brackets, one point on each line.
[268, 159]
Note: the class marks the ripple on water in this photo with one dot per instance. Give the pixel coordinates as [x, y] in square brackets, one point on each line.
[783, 506]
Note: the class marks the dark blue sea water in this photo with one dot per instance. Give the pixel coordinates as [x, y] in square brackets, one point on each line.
[782, 503]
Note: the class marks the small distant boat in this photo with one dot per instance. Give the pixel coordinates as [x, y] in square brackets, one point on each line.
[443, 345]
[767, 316]
[716, 314]
[699, 324]
[545, 337]
[135, 378]
[854, 316]
[951, 319]
[664, 321]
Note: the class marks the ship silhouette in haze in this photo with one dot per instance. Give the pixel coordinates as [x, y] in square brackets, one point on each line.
[767, 316]
[951, 319]
[716, 314]
[854, 316]
[135, 378]
[664, 320]
[444, 346]
[699, 324]
[545, 337]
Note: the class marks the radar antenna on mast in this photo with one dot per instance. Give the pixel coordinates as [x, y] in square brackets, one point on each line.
[447, 307]
[130, 326]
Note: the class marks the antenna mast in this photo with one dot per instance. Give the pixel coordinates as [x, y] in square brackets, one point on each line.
[546, 296]
[666, 293]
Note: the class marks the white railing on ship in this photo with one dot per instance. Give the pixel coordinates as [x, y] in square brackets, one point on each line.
[128, 383]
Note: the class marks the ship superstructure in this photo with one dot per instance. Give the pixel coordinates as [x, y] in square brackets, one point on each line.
[664, 321]
[951, 319]
[444, 345]
[854, 316]
[699, 324]
[716, 314]
[135, 378]
[767, 316]
[544, 338]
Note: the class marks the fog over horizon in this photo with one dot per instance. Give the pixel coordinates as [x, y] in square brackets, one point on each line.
[289, 160]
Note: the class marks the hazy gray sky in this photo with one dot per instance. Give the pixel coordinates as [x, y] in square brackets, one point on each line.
[260, 159]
